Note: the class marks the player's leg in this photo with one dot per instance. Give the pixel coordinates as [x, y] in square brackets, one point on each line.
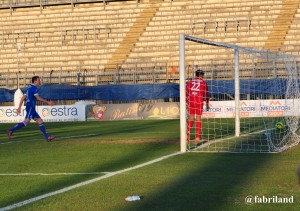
[198, 127]
[190, 121]
[17, 126]
[199, 122]
[40, 122]
[20, 124]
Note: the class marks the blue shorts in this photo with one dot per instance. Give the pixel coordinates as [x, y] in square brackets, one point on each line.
[31, 113]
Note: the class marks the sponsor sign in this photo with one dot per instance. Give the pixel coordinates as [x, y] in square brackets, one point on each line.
[218, 109]
[112, 112]
[134, 111]
[160, 110]
[57, 113]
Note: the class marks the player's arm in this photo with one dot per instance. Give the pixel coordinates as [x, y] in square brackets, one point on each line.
[206, 94]
[206, 98]
[21, 103]
[50, 103]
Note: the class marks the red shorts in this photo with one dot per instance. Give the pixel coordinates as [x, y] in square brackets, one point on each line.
[196, 108]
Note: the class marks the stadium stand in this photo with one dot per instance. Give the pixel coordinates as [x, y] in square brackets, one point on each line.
[134, 41]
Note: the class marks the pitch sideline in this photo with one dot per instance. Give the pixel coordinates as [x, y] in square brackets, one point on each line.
[34, 199]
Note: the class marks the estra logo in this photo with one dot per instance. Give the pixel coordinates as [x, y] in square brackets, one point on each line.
[2, 112]
[45, 112]
[10, 112]
[60, 111]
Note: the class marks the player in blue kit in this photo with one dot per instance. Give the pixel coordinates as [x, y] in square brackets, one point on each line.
[31, 97]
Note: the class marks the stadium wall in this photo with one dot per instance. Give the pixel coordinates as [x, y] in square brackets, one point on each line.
[134, 92]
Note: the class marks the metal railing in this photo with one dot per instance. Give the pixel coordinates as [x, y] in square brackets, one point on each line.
[131, 74]
[12, 4]
[88, 78]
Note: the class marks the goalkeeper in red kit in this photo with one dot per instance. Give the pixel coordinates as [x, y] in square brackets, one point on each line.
[196, 96]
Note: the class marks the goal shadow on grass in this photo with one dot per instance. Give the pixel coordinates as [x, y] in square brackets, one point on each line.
[218, 181]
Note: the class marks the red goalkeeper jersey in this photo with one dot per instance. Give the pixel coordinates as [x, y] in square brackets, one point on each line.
[196, 94]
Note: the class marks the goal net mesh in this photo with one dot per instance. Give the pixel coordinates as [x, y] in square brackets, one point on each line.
[268, 99]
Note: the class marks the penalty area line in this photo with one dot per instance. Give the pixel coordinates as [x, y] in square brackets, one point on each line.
[34, 199]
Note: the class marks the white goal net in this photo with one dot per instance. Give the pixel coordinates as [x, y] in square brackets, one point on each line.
[254, 98]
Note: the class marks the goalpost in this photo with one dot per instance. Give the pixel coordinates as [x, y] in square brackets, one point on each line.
[254, 98]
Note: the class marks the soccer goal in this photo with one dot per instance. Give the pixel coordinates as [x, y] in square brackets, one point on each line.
[254, 98]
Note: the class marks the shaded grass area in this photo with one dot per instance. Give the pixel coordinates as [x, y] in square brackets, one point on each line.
[192, 181]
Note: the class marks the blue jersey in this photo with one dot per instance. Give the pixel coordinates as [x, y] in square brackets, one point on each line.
[31, 92]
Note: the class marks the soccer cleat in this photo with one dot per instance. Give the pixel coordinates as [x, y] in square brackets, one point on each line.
[9, 134]
[50, 138]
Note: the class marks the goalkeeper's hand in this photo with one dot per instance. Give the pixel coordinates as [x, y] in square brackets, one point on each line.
[207, 107]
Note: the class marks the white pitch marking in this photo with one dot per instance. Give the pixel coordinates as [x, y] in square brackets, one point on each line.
[28, 201]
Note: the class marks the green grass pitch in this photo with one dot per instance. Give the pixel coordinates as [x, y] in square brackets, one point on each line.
[30, 167]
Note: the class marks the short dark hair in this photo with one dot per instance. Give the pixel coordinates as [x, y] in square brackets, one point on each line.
[34, 78]
[199, 72]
